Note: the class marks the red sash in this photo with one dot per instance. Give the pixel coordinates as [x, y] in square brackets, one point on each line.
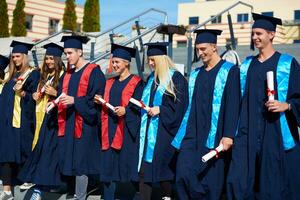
[82, 90]
[126, 95]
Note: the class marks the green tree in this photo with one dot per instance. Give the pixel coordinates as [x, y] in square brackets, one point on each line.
[69, 18]
[91, 17]
[3, 19]
[19, 20]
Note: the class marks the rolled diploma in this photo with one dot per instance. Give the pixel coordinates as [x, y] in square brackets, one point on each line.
[139, 104]
[212, 154]
[52, 105]
[270, 84]
[47, 83]
[111, 107]
[23, 77]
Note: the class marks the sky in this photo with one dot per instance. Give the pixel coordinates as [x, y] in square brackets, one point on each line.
[113, 12]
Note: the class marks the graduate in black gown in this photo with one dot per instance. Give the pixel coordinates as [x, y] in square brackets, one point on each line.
[166, 93]
[120, 127]
[211, 120]
[266, 153]
[4, 61]
[78, 116]
[17, 121]
[41, 168]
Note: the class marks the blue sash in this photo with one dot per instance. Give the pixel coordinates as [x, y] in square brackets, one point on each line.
[282, 77]
[216, 104]
[153, 124]
[217, 100]
[182, 129]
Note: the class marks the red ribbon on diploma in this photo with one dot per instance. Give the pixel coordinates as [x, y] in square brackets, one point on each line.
[271, 92]
[217, 153]
[143, 105]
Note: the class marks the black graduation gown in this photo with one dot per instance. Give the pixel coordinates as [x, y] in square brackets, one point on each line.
[15, 143]
[196, 179]
[81, 156]
[172, 111]
[120, 165]
[260, 167]
[41, 168]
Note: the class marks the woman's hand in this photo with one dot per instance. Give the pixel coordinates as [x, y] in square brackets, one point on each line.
[50, 91]
[36, 96]
[153, 111]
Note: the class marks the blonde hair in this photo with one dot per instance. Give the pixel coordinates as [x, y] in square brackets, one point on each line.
[162, 66]
[12, 67]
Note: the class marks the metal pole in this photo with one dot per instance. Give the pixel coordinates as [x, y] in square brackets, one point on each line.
[170, 50]
[189, 54]
[139, 33]
[92, 54]
[138, 63]
[35, 60]
[232, 39]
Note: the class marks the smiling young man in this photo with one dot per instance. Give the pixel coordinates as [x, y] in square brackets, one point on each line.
[210, 120]
[78, 116]
[266, 154]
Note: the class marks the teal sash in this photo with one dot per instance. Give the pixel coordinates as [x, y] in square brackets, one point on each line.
[220, 83]
[182, 129]
[153, 124]
[282, 77]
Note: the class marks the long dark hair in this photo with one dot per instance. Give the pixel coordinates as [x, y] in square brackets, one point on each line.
[58, 67]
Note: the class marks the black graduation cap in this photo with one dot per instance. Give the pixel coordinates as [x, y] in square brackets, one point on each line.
[207, 36]
[20, 47]
[157, 48]
[265, 22]
[3, 62]
[123, 52]
[74, 41]
[53, 49]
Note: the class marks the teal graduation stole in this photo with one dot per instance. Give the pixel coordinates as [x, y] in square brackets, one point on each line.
[220, 83]
[182, 129]
[282, 77]
[153, 124]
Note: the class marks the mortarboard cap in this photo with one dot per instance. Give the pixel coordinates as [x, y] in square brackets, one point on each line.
[3, 62]
[207, 36]
[123, 52]
[74, 41]
[157, 48]
[20, 47]
[53, 49]
[265, 22]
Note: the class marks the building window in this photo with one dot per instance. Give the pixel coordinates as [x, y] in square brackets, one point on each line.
[28, 22]
[78, 28]
[269, 14]
[217, 20]
[193, 20]
[53, 26]
[297, 15]
[242, 17]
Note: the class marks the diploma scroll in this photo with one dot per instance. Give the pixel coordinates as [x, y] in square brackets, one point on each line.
[54, 103]
[139, 104]
[108, 105]
[47, 84]
[21, 79]
[212, 153]
[270, 85]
